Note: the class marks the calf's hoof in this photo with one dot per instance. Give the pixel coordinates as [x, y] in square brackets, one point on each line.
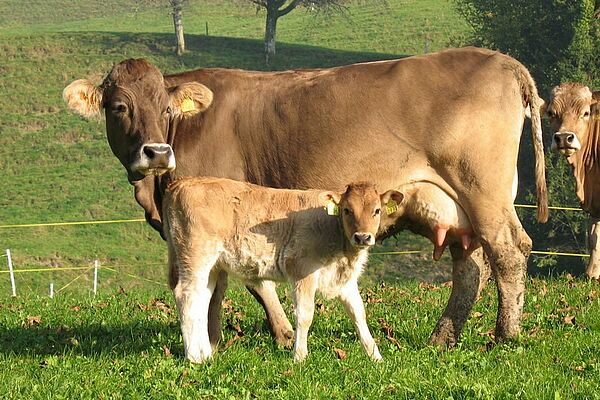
[285, 338]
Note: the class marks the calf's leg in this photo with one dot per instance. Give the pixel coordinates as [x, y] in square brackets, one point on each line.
[193, 293]
[304, 300]
[214, 310]
[593, 267]
[350, 297]
[279, 324]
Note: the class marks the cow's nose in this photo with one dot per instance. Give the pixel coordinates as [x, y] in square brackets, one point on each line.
[153, 151]
[569, 138]
[363, 239]
[564, 139]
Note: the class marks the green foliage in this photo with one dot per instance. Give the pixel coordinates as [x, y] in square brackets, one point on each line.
[557, 39]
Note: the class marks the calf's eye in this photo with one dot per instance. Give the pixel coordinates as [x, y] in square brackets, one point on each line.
[377, 211]
[347, 211]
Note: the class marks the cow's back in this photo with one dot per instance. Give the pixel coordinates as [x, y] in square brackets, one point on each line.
[391, 122]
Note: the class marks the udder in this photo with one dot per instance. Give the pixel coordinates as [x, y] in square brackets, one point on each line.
[446, 221]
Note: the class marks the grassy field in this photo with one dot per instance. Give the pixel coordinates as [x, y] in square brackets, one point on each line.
[58, 167]
[127, 345]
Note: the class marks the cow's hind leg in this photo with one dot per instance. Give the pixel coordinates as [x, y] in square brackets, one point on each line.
[350, 297]
[193, 292]
[593, 267]
[264, 292]
[468, 279]
[507, 247]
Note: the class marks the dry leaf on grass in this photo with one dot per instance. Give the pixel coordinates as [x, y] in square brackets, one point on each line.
[33, 320]
[341, 354]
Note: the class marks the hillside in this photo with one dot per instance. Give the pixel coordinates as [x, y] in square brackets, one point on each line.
[58, 167]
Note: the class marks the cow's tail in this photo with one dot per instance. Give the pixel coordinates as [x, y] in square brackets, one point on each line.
[533, 100]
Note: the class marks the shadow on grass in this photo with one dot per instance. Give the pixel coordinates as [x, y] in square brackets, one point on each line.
[89, 340]
[215, 51]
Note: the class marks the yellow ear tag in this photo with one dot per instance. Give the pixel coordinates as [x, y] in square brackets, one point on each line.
[187, 105]
[391, 207]
[332, 208]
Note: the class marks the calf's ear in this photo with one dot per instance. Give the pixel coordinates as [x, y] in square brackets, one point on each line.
[596, 97]
[328, 197]
[390, 200]
[331, 202]
[190, 98]
[83, 97]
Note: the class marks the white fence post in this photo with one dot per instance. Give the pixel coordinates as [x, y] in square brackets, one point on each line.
[95, 276]
[52, 290]
[11, 273]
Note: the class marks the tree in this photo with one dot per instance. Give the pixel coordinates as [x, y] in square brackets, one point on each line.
[278, 8]
[176, 9]
[558, 40]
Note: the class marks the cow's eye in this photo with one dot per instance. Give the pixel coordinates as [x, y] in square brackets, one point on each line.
[551, 114]
[119, 108]
[377, 211]
[586, 114]
[169, 110]
[347, 211]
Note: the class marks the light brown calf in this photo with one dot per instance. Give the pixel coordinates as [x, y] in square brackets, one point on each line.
[258, 233]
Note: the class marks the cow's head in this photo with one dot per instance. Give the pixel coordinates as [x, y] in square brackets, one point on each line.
[572, 110]
[360, 208]
[138, 109]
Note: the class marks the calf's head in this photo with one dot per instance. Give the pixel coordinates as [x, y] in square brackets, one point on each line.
[573, 111]
[138, 107]
[360, 209]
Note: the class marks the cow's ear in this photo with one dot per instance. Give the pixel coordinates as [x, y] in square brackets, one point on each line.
[390, 201]
[596, 97]
[83, 97]
[190, 98]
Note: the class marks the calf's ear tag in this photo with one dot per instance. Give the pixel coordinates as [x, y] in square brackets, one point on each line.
[187, 105]
[332, 208]
[391, 207]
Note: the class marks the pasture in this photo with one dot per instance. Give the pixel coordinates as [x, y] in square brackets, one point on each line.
[125, 342]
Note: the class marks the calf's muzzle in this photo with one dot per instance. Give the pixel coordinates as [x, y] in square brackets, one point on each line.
[363, 239]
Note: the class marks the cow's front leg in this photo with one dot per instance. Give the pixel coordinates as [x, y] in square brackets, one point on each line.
[304, 301]
[468, 279]
[593, 267]
[265, 293]
[350, 297]
[192, 296]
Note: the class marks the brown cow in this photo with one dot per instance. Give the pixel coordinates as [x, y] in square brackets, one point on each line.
[451, 119]
[258, 233]
[575, 121]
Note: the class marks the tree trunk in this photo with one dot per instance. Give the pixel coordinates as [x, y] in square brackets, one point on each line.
[270, 33]
[177, 6]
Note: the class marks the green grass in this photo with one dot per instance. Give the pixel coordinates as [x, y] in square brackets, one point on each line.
[128, 345]
[57, 167]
